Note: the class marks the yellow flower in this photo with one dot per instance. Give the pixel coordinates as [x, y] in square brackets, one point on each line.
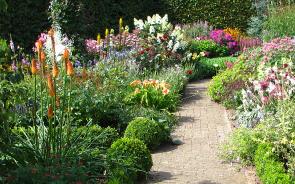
[284, 140]
[135, 83]
[121, 23]
[136, 91]
[98, 39]
[165, 85]
[145, 83]
[234, 32]
[106, 33]
[154, 82]
[195, 56]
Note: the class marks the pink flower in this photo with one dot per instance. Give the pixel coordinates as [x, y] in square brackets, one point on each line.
[265, 100]
[165, 91]
[264, 85]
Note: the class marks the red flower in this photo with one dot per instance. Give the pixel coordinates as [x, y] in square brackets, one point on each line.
[264, 85]
[141, 52]
[189, 72]
[285, 65]
[165, 37]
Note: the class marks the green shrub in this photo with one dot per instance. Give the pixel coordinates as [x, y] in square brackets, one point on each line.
[280, 23]
[220, 13]
[226, 86]
[268, 168]
[96, 137]
[241, 146]
[209, 67]
[165, 119]
[145, 130]
[278, 129]
[213, 49]
[128, 160]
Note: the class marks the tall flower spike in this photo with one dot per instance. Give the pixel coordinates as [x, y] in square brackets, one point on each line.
[50, 112]
[51, 32]
[39, 45]
[70, 68]
[106, 33]
[121, 23]
[66, 55]
[98, 39]
[34, 67]
[57, 101]
[50, 86]
[55, 71]
[43, 56]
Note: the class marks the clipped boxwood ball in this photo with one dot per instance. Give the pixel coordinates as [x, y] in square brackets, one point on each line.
[128, 159]
[146, 130]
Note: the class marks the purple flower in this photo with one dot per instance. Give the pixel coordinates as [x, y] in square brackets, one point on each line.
[13, 66]
[25, 62]
[43, 37]
[77, 64]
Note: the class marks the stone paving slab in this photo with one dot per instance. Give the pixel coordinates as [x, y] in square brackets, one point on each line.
[203, 125]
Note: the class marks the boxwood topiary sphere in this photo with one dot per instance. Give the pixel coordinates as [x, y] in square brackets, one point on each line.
[146, 130]
[128, 159]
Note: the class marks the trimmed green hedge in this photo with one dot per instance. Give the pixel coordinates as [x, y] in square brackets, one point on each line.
[146, 130]
[87, 18]
[209, 67]
[220, 13]
[268, 168]
[24, 20]
[128, 160]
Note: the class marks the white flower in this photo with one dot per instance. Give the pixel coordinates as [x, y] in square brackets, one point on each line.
[149, 19]
[138, 23]
[271, 87]
[175, 47]
[165, 19]
[170, 45]
[152, 30]
[61, 43]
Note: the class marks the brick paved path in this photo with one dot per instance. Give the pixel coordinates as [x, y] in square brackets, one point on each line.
[203, 126]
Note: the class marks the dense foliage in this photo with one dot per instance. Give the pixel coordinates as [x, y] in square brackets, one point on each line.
[24, 20]
[146, 130]
[133, 157]
[219, 13]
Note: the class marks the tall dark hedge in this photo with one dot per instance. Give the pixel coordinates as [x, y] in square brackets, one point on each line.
[87, 18]
[220, 13]
[24, 20]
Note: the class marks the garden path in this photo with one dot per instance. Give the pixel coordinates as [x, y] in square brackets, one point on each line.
[203, 125]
